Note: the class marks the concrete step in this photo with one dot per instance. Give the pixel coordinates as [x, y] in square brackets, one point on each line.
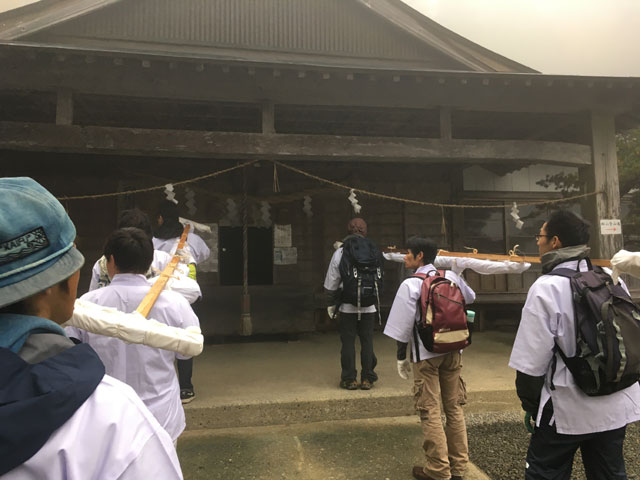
[361, 405]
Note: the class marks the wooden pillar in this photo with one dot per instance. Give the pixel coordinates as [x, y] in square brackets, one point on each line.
[457, 214]
[446, 129]
[246, 327]
[268, 117]
[603, 176]
[64, 107]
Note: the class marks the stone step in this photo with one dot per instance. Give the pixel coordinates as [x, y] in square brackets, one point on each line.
[362, 405]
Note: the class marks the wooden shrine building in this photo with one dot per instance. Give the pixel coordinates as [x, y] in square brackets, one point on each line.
[116, 96]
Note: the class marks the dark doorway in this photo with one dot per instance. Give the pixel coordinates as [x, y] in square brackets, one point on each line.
[260, 256]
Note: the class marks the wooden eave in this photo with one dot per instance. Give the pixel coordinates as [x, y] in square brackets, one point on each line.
[488, 79]
[41, 15]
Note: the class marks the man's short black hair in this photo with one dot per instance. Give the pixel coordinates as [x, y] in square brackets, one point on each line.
[131, 248]
[135, 218]
[427, 246]
[570, 228]
[168, 211]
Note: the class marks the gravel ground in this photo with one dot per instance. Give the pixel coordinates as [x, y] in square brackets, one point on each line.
[498, 445]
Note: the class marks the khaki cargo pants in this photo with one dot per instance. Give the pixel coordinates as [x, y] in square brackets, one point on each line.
[445, 448]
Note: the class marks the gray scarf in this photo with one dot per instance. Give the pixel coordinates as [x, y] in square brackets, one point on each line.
[550, 259]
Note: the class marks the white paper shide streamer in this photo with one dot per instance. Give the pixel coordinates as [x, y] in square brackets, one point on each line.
[354, 201]
[265, 214]
[515, 214]
[233, 213]
[191, 201]
[171, 195]
[306, 206]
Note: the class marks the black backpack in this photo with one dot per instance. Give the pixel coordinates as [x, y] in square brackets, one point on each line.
[607, 333]
[361, 272]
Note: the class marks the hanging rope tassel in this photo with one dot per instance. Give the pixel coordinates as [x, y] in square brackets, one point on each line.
[276, 182]
[443, 228]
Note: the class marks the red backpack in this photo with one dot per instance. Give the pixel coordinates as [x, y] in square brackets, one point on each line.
[442, 325]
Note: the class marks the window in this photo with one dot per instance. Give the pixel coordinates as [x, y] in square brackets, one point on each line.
[494, 230]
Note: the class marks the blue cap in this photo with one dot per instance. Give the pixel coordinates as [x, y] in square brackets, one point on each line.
[36, 240]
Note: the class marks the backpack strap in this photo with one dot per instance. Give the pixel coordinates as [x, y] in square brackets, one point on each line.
[566, 273]
[378, 298]
[554, 363]
[416, 337]
[563, 272]
[416, 342]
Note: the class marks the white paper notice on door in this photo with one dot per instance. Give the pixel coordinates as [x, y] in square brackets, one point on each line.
[285, 255]
[282, 235]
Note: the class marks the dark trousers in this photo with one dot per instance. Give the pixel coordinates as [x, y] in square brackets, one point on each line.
[349, 328]
[185, 370]
[185, 367]
[550, 455]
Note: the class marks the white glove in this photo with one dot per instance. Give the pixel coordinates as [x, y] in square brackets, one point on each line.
[404, 369]
[331, 310]
[185, 256]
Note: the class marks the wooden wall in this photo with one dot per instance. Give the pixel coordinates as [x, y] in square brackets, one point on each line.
[295, 300]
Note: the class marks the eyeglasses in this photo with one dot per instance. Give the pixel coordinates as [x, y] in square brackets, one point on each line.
[538, 235]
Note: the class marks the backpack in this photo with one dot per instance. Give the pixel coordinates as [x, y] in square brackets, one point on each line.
[361, 272]
[607, 333]
[442, 325]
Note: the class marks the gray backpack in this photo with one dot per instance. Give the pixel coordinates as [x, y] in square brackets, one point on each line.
[607, 333]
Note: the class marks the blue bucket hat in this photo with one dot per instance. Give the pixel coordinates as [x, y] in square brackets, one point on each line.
[36, 240]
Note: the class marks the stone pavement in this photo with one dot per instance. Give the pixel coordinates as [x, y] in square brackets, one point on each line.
[270, 383]
[273, 410]
[380, 448]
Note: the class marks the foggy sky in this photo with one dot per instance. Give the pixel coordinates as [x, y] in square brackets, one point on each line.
[572, 37]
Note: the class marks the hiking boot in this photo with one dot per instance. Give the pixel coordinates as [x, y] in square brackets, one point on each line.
[187, 395]
[418, 472]
[366, 385]
[349, 384]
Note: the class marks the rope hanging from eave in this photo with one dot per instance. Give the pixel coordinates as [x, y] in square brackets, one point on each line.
[332, 183]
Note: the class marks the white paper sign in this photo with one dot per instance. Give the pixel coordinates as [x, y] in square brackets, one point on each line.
[610, 227]
[282, 235]
[211, 239]
[285, 255]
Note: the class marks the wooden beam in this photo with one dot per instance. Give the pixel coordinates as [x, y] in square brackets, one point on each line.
[64, 107]
[104, 78]
[603, 176]
[198, 144]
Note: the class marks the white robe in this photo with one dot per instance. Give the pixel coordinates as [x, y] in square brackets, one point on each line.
[112, 435]
[548, 319]
[195, 246]
[149, 371]
[179, 281]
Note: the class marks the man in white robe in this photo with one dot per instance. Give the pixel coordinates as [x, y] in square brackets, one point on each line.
[149, 371]
[166, 238]
[61, 417]
[566, 418]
